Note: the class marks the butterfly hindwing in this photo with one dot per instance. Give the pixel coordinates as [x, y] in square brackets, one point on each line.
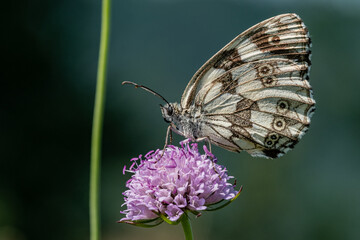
[254, 94]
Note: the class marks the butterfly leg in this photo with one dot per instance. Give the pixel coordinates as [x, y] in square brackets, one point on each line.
[171, 136]
[207, 139]
[168, 135]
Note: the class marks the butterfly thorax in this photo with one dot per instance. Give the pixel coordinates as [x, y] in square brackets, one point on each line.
[185, 122]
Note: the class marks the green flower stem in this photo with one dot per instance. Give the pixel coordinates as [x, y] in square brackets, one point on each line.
[94, 195]
[185, 222]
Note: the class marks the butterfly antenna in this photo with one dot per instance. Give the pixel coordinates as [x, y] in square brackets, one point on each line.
[146, 89]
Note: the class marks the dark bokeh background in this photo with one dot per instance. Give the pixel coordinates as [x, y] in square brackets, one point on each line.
[49, 59]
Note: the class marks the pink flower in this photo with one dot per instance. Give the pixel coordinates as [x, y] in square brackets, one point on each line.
[170, 184]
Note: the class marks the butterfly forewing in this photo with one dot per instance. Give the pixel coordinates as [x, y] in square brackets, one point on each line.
[254, 93]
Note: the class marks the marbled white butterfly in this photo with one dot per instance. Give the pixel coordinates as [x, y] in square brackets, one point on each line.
[253, 94]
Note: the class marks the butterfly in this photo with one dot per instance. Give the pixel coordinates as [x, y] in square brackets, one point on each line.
[253, 95]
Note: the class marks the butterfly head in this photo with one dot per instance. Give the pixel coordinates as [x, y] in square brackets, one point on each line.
[171, 113]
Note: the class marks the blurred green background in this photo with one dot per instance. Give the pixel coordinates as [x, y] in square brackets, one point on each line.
[48, 75]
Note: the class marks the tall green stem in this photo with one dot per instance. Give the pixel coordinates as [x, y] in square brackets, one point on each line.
[185, 222]
[94, 203]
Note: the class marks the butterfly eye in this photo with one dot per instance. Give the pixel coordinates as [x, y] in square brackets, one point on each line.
[170, 111]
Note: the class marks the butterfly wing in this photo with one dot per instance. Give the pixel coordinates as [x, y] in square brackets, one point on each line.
[254, 93]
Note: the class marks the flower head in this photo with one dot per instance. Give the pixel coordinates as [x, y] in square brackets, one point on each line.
[165, 185]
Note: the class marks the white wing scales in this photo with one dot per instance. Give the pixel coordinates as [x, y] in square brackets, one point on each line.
[254, 94]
